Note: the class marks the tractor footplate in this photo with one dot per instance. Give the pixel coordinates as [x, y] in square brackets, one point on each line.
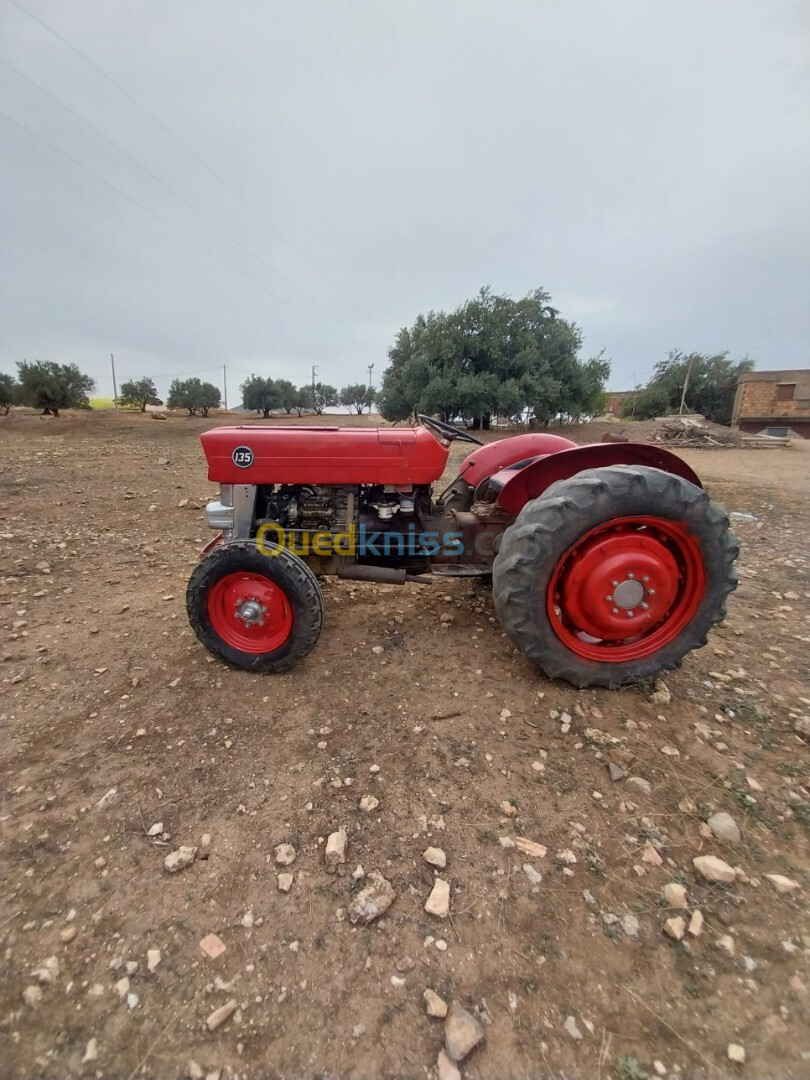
[460, 570]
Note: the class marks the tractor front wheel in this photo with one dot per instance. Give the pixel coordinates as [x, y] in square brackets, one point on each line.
[257, 612]
[614, 575]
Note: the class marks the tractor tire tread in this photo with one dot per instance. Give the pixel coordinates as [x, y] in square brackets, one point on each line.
[542, 533]
[288, 571]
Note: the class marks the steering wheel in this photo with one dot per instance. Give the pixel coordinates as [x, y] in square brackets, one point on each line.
[447, 431]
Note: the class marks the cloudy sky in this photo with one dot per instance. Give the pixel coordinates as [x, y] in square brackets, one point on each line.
[274, 184]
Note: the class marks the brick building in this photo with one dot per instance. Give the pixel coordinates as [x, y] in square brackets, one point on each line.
[773, 399]
[615, 401]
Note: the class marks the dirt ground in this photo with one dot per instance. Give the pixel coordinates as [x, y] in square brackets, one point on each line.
[103, 686]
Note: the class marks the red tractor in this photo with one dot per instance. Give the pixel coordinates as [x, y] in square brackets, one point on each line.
[608, 562]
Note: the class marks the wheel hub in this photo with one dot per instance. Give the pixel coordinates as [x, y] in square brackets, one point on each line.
[616, 578]
[251, 613]
[626, 587]
[629, 594]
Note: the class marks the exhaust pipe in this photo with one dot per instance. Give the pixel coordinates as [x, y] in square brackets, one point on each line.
[382, 575]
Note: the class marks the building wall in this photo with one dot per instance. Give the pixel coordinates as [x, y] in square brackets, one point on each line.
[753, 427]
[758, 399]
[616, 400]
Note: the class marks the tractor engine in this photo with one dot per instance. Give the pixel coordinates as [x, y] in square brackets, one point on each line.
[314, 508]
[390, 517]
[306, 508]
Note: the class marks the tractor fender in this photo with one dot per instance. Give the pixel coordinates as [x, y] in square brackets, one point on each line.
[484, 461]
[533, 479]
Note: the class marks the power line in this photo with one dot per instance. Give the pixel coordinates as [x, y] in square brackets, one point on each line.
[167, 131]
[687, 326]
[170, 189]
[202, 371]
[165, 374]
[151, 213]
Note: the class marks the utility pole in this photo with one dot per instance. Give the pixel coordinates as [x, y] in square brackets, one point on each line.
[115, 386]
[686, 384]
[314, 369]
[225, 386]
[370, 369]
[735, 410]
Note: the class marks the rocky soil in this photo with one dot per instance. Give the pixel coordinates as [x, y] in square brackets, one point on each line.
[411, 855]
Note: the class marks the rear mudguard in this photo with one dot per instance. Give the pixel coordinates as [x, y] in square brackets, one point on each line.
[487, 460]
[517, 487]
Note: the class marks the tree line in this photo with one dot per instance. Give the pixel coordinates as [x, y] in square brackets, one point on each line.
[491, 356]
[50, 387]
[264, 396]
[45, 385]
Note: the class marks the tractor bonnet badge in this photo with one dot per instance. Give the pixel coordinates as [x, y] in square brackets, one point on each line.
[242, 457]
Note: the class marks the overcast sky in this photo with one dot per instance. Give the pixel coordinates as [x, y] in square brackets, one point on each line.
[355, 163]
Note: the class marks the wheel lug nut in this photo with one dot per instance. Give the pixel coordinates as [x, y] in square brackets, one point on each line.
[615, 611]
[630, 577]
[630, 614]
[614, 584]
[651, 592]
[646, 577]
[645, 606]
[608, 598]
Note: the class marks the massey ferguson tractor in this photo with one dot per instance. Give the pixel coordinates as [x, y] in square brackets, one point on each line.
[608, 562]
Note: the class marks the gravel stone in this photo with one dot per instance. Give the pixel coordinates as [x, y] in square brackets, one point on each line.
[462, 1032]
[336, 848]
[285, 854]
[220, 1015]
[675, 927]
[713, 869]
[446, 1068]
[373, 900]
[180, 859]
[782, 884]
[438, 903]
[435, 856]
[724, 827]
[638, 784]
[434, 1005]
[675, 895]
[570, 1026]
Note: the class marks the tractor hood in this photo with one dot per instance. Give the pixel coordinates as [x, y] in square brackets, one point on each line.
[266, 454]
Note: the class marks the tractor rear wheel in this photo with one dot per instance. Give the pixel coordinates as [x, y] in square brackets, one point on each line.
[614, 574]
[257, 612]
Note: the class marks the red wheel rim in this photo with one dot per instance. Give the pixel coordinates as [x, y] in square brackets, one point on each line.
[626, 588]
[249, 612]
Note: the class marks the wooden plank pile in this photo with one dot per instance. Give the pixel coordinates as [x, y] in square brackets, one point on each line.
[686, 432]
[681, 431]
